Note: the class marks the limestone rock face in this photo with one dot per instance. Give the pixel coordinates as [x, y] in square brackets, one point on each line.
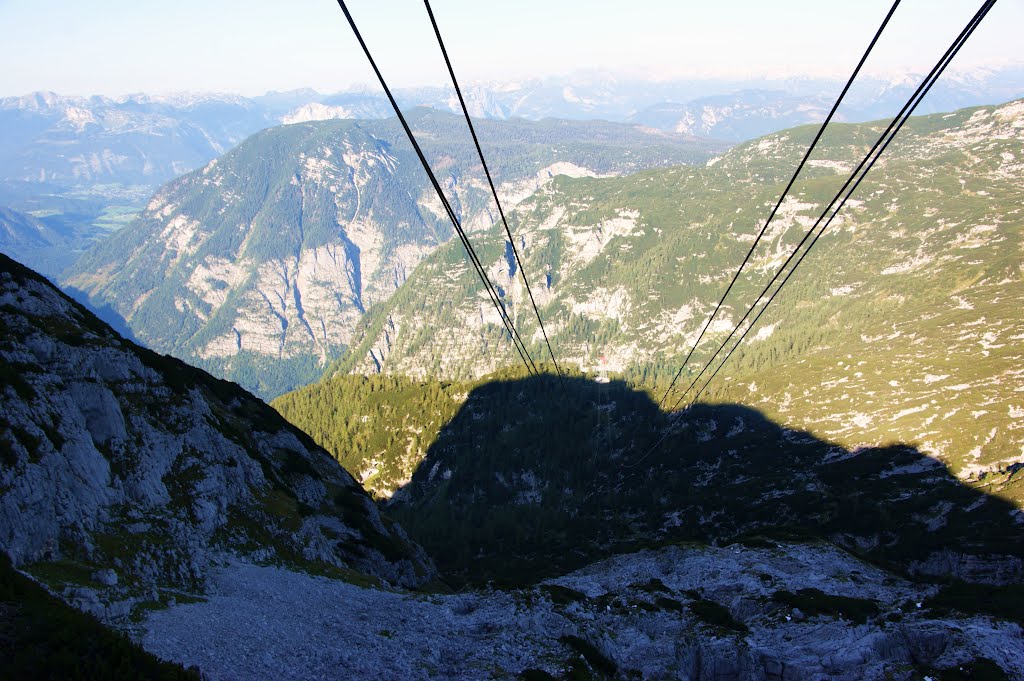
[124, 471]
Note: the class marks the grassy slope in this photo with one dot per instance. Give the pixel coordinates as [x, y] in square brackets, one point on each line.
[902, 326]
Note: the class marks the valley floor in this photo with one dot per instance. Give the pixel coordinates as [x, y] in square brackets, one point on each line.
[649, 614]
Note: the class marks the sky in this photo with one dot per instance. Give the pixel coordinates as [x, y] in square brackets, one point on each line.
[115, 47]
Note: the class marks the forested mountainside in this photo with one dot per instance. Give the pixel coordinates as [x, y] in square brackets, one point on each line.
[259, 266]
[125, 475]
[903, 324]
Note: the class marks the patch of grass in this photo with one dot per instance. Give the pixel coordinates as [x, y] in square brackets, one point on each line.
[563, 595]
[58, 573]
[664, 603]
[536, 675]
[143, 608]
[181, 482]
[597, 660]
[356, 514]
[716, 615]
[353, 577]
[982, 669]
[817, 602]
[653, 586]
[114, 218]
[284, 507]
[246, 533]
[1006, 602]
[296, 464]
[42, 638]
[11, 375]
[756, 542]
[183, 598]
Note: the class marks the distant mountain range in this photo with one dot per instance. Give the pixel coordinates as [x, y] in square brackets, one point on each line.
[145, 140]
[86, 165]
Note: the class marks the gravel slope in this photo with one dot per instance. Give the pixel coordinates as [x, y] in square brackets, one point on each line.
[270, 623]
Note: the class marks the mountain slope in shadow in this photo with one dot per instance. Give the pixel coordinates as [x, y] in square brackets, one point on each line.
[533, 478]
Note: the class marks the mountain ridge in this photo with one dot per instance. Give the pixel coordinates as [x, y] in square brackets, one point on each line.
[126, 475]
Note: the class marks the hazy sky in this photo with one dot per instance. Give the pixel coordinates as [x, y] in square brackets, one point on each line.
[119, 46]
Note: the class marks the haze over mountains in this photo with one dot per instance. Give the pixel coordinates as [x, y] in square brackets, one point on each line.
[192, 125]
[144, 140]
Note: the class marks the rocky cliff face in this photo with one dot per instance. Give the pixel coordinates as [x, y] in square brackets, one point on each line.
[126, 474]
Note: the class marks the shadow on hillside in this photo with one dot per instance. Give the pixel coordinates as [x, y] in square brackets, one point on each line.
[106, 313]
[531, 479]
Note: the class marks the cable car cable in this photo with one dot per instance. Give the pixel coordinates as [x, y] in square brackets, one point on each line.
[481, 272]
[785, 191]
[490, 182]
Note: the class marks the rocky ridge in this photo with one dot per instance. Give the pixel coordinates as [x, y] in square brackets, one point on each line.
[126, 475]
